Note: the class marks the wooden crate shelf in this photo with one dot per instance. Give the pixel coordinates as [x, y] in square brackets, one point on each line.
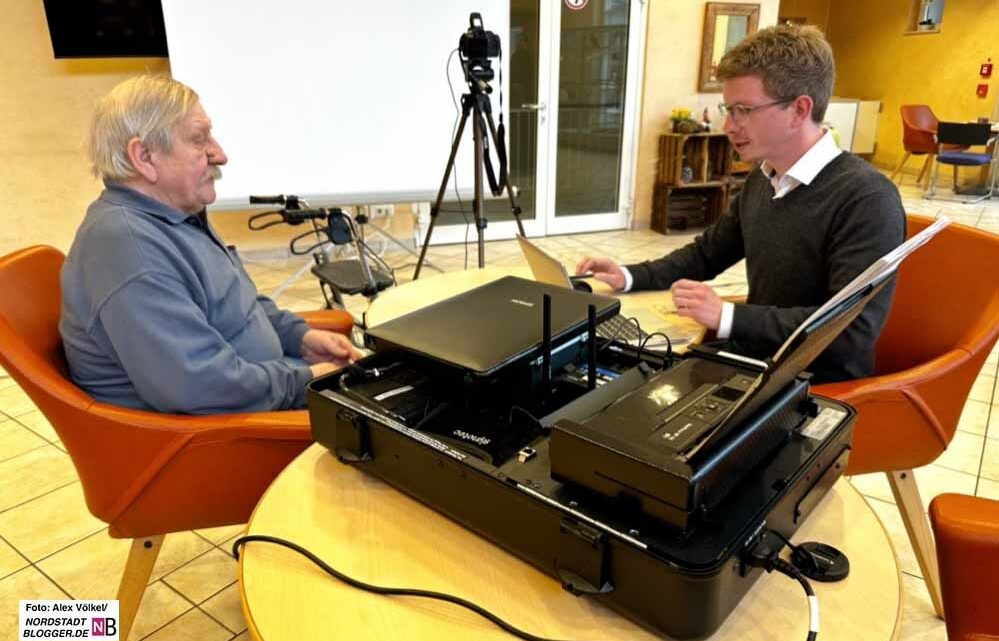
[688, 206]
[679, 204]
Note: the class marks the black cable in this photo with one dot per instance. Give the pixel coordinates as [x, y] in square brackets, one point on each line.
[667, 357]
[801, 554]
[764, 555]
[787, 569]
[509, 419]
[385, 591]
[787, 541]
[276, 215]
[429, 414]
[293, 244]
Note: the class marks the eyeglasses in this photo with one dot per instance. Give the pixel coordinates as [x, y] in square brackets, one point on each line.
[739, 113]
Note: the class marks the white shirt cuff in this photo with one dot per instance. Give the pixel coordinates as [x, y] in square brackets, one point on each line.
[628, 279]
[725, 324]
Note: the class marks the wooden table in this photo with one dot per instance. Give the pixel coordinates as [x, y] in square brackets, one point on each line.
[372, 532]
[653, 309]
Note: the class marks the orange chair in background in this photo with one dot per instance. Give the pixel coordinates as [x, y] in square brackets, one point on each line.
[145, 474]
[967, 533]
[943, 323]
[919, 128]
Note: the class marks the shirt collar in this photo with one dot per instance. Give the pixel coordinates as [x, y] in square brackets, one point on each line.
[823, 152]
[119, 194]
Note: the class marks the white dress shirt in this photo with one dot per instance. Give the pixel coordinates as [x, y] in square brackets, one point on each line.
[802, 172]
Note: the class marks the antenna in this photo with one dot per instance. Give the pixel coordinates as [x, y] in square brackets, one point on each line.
[591, 342]
[546, 344]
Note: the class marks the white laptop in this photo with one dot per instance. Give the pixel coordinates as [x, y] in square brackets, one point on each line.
[547, 269]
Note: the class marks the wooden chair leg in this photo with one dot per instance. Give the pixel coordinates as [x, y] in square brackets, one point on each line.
[899, 168]
[924, 171]
[141, 559]
[917, 525]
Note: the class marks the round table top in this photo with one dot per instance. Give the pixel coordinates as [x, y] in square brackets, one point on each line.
[375, 533]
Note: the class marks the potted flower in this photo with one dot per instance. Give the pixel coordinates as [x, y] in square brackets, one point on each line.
[682, 121]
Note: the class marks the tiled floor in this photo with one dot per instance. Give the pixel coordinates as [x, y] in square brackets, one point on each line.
[50, 546]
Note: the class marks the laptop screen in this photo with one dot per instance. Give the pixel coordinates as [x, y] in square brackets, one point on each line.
[545, 268]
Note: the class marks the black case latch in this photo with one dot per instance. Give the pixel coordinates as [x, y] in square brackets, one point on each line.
[352, 437]
[583, 564]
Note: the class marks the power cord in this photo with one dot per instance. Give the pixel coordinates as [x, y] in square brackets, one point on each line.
[817, 561]
[765, 555]
[667, 357]
[385, 591]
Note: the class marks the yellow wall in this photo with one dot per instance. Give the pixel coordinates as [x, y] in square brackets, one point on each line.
[45, 106]
[875, 61]
[815, 12]
[672, 61]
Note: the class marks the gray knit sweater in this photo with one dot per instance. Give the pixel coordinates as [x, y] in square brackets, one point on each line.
[799, 250]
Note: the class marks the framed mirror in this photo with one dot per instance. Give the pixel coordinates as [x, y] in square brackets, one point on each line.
[725, 24]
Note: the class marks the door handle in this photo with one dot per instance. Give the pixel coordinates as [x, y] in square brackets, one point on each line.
[539, 106]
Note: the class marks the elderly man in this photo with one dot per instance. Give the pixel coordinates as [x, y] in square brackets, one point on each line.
[157, 312]
[808, 220]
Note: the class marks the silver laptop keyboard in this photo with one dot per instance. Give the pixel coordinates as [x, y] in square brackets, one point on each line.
[620, 329]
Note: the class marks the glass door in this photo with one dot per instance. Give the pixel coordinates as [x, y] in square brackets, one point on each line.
[572, 105]
[594, 147]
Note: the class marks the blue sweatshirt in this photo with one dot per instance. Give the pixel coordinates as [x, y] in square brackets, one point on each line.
[158, 314]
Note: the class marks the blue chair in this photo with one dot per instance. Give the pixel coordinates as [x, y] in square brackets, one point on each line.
[967, 134]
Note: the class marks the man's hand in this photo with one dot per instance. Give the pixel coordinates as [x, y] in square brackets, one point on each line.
[604, 270]
[320, 346]
[698, 301]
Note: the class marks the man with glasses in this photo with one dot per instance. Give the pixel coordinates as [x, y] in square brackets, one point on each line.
[808, 220]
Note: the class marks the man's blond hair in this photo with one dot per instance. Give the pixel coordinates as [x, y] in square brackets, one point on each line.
[791, 61]
[146, 107]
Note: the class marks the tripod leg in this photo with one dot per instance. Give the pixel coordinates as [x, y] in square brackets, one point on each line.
[514, 205]
[465, 109]
[478, 204]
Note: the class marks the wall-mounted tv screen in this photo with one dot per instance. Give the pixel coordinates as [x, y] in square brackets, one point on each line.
[106, 28]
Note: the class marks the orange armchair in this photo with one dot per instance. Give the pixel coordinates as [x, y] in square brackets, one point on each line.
[919, 128]
[967, 533]
[145, 474]
[939, 331]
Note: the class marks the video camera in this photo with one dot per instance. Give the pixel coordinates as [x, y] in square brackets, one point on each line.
[476, 47]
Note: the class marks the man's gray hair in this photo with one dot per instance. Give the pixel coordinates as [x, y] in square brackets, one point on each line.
[146, 107]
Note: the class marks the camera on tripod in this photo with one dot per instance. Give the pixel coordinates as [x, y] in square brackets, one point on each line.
[476, 47]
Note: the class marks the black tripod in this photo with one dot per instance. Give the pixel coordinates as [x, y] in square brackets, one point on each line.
[476, 103]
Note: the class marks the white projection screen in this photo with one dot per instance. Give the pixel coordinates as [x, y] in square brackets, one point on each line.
[338, 102]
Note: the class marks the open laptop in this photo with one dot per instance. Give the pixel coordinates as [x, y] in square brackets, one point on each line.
[547, 269]
[487, 328]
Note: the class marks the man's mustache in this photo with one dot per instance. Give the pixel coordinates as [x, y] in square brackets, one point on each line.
[214, 172]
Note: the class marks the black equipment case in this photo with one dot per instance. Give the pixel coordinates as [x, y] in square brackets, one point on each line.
[679, 577]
